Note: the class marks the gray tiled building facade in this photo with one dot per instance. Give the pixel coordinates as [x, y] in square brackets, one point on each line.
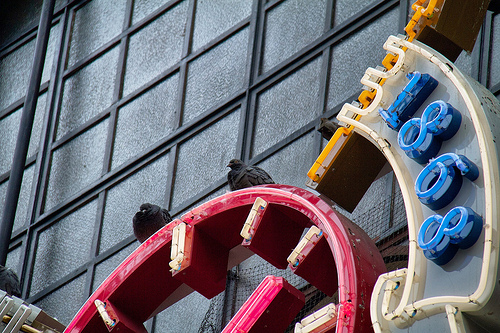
[148, 100]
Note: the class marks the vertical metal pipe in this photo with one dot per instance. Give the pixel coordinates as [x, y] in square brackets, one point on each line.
[25, 127]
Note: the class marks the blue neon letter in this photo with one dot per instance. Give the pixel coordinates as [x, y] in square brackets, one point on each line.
[421, 138]
[440, 181]
[409, 100]
[440, 237]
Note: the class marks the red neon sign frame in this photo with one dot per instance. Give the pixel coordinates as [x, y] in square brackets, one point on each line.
[142, 285]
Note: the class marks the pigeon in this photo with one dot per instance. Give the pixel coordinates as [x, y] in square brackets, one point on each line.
[242, 176]
[327, 128]
[148, 220]
[9, 281]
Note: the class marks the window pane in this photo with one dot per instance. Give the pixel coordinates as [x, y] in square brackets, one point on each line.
[214, 76]
[105, 268]
[76, 164]
[123, 200]
[14, 260]
[184, 316]
[495, 51]
[140, 124]
[287, 106]
[215, 17]
[24, 198]
[291, 164]
[381, 205]
[15, 68]
[155, 48]
[291, 26]
[65, 302]
[344, 9]
[88, 92]
[202, 159]
[63, 247]
[9, 127]
[145, 7]
[95, 24]
[346, 71]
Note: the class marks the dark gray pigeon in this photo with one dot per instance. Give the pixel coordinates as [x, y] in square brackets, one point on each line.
[243, 176]
[9, 281]
[327, 128]
[148, 220]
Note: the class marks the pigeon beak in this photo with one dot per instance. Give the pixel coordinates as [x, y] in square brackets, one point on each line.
[229, 165]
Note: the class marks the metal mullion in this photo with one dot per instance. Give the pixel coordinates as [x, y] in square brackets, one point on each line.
[330, 14]
[151, 325]
[476, 55]
[404, 8]
[253, 41]
[484, 59]
[258, 45]
[181, 95]
[117, 93]
[186, 49]
[245, 130]
[272, 3]
[53, 107]
[252, 59]
[250, 125]
[242, 140]
[323, 93]
[25, 128]
[94, 248]
[172, 169]
[257, 21]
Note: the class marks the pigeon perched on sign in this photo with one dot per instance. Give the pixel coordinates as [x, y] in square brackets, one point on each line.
[243, 176]
[327, 128]
[148, 220]
[9, 281]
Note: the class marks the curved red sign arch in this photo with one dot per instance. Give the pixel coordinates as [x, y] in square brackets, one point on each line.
[143, 285]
